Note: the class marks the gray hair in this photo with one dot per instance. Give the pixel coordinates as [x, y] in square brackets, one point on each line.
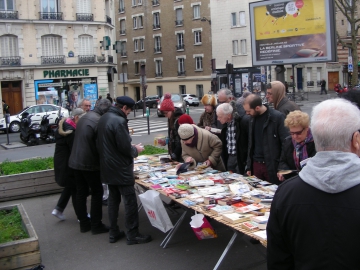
[225, 91]
[103, 104]
[225, 108]
[241, 100]
[77, 111]
[333, 123]
[81, 101]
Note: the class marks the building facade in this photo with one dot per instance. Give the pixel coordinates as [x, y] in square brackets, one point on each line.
[51, 49]
[168, 41]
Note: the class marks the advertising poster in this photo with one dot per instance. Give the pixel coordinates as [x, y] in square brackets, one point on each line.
[245, 82]
[90, 92]
[292, 32]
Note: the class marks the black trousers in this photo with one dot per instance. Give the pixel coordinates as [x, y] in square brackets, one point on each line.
[84, 180]
[131, 209]
[65, 197]
[323, 90]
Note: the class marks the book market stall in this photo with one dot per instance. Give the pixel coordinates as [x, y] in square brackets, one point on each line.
[241, 203]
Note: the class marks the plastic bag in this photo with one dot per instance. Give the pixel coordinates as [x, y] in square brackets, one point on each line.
[155, 210]
[201, 227]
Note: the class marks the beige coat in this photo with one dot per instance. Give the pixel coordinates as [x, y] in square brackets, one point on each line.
[209, 147]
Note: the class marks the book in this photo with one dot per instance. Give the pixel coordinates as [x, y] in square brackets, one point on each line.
[222, 209]
[250, 207]
[236, 217]
[261, 234]
[260, 219]
[250, 226]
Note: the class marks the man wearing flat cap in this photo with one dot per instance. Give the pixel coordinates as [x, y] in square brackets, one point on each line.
[117, 165]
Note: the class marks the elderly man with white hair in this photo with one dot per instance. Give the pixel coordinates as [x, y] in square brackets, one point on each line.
[234, 137]
[315, 216]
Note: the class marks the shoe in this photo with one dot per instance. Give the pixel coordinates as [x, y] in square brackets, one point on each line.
[58, 214]
[115, 238]
[102, 228]
[139, 239]
[88, 215]
[85, 228]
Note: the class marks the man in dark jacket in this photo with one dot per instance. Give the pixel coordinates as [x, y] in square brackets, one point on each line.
[84, 159]
[266, 135]
[234, 136]
[315, 216]
[117, 169]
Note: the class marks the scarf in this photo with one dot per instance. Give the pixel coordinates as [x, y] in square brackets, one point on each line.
[70, 122]
[300, 151]
[194, 141]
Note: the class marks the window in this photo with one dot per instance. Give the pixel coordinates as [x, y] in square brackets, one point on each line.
[156, 20]
[179, 17]
[133, 3]
[159, 90]
[198, 63]
[180, 41]
[137, 68]
[242, 18]
[49, 6]
[243, 46]
[196, 9]
[122, 27]
[200, 90]
[139, 2]
[181, 66]
[233, 19]
[51, 45]
[7, 5]
[86, 45]
[135, 22]
[136, 45]
[83, 6]
[121, 6]
[182, 89]
[197, 35]
[158, 68]
[235, 47]
[9, 46]
[157, 48]
[123, 52]
[140, 22]
[142, 47]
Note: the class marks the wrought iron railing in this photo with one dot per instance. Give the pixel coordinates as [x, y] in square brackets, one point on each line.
[108, 19]
[182, 73]
[100, 58]
[123, 54]
[155, 2]
[158, 74]
[9, 14]
[10, 61]
[51, 16]
[110, 59]
[86, 59]
[89, 17]
[53, 60]
[156, 26]
[157, 49]
[121, 9]
[179, 22]
[180, 47]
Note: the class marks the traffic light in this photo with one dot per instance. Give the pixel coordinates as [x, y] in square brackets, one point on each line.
[229, 68]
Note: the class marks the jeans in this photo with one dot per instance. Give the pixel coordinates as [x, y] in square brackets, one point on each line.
[131, 209]
[65, 197]
[260, 171]
[84, 180]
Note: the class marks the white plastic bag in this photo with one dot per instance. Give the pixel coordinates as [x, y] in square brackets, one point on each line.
[155, 210]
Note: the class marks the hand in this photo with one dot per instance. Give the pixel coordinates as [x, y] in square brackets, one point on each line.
[178, 166]
[248, 173]
[207, 163]
[139, 147]
[190, 160]
[207, 128]
[281, 177]
[173, 156]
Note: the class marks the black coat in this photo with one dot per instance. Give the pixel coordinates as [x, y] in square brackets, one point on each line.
[115, 150]
[175, 143]
[274, 133]
[242, 140]
[287, 159]
[311, 229]
[64, 138]
[84, 155]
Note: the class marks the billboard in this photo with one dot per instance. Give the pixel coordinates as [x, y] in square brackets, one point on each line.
[292, 32]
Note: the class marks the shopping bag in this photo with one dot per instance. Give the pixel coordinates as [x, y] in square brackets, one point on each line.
[155, 210]
[201, 227]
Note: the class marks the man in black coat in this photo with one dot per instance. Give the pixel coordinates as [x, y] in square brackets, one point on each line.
[266, 135]
[315, 217]
[84, 159]
[117, 169]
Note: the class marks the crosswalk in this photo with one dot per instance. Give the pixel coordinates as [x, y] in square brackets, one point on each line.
[140, 127]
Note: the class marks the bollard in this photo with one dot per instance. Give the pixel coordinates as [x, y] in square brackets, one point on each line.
[7, 122]
[187, 110]
[147, 116]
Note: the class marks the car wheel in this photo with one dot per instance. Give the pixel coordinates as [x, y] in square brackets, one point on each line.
[154, 106]
[22, 138]
[187, 103]
[14, 127]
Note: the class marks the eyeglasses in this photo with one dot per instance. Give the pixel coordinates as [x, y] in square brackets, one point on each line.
[268, 93]
[297, 132]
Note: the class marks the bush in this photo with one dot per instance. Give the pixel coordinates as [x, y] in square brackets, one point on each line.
[29, 165]
[152, 150]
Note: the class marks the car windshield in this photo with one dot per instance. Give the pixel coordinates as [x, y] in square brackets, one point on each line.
[175, 97]
[22, 110]
[193, 96]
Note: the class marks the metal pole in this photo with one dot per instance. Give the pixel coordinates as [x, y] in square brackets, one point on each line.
[227, 74]
[7, 120]
[147, 116]
[293, 75]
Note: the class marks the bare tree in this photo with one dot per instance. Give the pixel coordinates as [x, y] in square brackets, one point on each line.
[349, 9]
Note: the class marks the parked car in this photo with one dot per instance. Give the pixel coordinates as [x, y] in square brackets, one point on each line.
[150, 101]
[190, 99]
[178, 102]
[38, 111]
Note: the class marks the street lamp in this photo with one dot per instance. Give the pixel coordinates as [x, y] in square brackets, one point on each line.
[203, 19]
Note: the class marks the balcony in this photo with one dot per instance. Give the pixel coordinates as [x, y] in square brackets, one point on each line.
[157, 50]
[180, 47]
[182, 73]
[155, 2]
[51, 16]
[88, 17]
[84, 59]
[110, 59]
[108, 20]
[123, 54]
[53, 60]
[123, 32]
[179, 22]
[100, 59]
[158, 74]
[10, 61]
[348, 33]
[8, 15]
[156, 26]
[121, 9]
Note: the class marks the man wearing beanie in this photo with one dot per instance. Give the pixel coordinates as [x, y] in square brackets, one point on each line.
[172, 113]
[200, 145]
[275, 94]
[207, 118]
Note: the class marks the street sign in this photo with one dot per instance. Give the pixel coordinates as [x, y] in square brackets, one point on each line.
[350, 68]
[350, 62]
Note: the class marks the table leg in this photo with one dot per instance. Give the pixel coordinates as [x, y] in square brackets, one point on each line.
[172, 231]
[231, 242]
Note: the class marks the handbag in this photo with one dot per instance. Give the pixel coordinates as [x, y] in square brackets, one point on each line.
[201, 227]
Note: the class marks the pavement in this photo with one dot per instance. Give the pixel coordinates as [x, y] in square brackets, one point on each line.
[62, 245]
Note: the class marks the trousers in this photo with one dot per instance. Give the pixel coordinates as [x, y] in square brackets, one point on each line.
[67, 192]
